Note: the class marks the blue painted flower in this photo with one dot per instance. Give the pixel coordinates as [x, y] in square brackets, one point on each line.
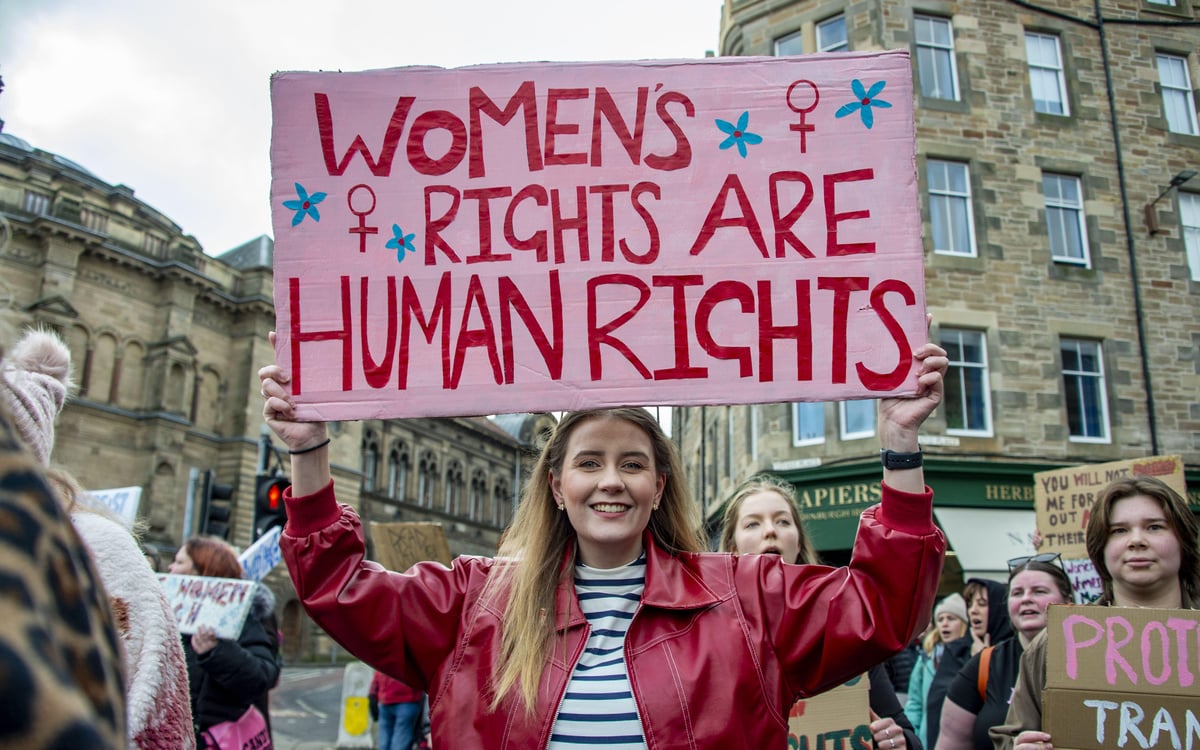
[738, 136]
[401, 242]
[304, 205]
[866, 101]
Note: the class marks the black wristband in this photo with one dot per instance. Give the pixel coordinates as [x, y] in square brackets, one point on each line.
[896, 460]
[310, 448]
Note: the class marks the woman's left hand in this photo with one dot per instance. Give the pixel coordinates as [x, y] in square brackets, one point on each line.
[204, 640]
[887, 733]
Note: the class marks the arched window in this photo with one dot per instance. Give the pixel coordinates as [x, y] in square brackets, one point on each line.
[478, 494]
[370, 464]
[453, 489]
[426, 479]
[398, 465]
[501, 503]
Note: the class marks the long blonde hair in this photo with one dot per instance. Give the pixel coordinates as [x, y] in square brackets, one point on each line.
[530, 562]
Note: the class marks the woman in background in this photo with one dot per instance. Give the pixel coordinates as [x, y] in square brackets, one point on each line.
[37, 379]
[1142, 540]
[1034, 583]
[987, 624]
[949, 624]
[225, 676]
[764, 518]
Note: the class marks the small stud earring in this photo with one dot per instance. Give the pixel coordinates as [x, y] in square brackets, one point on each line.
[654, 507]
[561, 506]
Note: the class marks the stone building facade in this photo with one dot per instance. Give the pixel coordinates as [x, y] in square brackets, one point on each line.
[167, 341]
[1070, 310]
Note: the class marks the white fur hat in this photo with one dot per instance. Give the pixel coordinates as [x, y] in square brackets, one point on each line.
[36, 376]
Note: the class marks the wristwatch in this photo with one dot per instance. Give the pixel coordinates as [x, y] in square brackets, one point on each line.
[897, 460]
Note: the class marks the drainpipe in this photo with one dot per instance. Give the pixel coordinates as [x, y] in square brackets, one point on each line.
[1129, 239]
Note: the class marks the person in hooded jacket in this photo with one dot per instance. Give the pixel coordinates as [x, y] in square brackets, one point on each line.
[988, 626]
[226, 676]
[1034, 583]
[263, 608]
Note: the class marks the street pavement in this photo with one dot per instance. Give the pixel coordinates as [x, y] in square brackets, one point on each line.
[305, 708]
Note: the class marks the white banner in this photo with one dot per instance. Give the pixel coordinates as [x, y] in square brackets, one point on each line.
[220, 603]
[262, 556]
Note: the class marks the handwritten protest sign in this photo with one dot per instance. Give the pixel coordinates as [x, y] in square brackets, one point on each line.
[1084, 579]
[834, 720]
[122, 502]
[220, 603]
[1063, 498]
[1122, 678]
[261, 557]
[546, 236]
[400, 545]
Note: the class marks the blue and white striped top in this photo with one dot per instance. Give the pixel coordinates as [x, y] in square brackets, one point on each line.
[598, 710]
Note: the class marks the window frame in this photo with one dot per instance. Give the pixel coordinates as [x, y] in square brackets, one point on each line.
[1189, 230]
[1062, 206]
[817, 408]
[958, 369]
[843, 421]
[841, 46]
[1180, 88]
[36, 202]
[93, 219]
[795, 36]
[951, 198]
[1099, 389]
[1057, 70]
[932, 49]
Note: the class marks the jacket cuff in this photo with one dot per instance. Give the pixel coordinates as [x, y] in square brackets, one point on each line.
[310, 513]
[910, 512]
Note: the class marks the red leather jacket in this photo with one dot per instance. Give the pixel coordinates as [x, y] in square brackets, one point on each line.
[718, 651]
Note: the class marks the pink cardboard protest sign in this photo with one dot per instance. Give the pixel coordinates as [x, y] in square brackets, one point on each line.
[534, 237]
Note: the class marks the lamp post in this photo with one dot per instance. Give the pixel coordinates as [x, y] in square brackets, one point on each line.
[1151, 214]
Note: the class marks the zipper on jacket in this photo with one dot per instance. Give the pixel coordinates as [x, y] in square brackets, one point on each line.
[587, 631]
[637, 708]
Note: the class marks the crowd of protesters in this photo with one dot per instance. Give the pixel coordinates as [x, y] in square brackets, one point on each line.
[602, 618]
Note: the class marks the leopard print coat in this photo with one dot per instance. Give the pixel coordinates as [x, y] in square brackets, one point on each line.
[62, 680]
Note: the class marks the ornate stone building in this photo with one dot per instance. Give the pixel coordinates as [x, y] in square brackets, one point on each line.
[167, 342]
[1062, 252]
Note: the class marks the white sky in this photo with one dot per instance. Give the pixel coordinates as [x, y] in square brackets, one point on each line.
[171, 98]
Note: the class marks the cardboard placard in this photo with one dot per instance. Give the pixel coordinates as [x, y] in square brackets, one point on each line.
[1129, 721]
[220, 603]
[401, 545]
[1063, 498]
[549, 236]
[260, 558]
[1122, 677]
[834, 720]
[122, 502]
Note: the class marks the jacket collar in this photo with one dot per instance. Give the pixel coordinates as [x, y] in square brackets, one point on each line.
[672, 582]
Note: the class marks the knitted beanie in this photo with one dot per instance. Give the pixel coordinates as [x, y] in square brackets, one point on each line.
[34, 381]
[953, 604]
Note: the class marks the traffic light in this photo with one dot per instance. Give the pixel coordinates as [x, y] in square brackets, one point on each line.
[216, 505]
[269, 509]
